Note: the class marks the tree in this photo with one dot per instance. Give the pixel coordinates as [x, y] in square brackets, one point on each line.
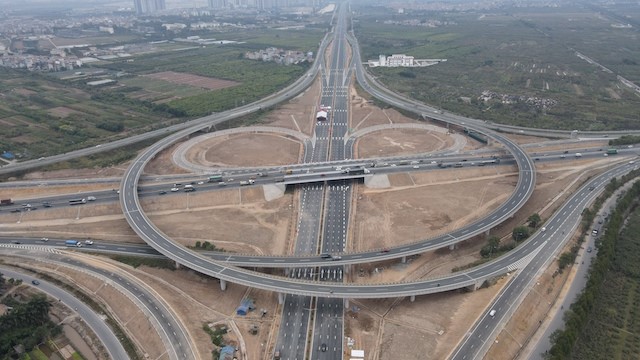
[520, 233]
[492, 246]
[534, 220]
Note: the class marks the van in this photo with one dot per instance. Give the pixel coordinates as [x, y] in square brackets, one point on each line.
[492, 313]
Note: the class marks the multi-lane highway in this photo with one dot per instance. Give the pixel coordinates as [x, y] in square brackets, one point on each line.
[543, 248]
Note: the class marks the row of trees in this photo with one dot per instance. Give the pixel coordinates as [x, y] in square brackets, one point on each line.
[519, 234]
[584, 310]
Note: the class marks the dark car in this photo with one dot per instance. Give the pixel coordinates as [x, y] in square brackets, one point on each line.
[35, 282]
[15, 242]
[385, 250]
[323, 347]
[162, 192]
[47, 205]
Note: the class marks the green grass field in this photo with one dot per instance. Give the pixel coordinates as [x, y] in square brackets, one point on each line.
[521, 52]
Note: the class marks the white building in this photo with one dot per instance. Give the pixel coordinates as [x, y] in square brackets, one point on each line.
[402, 60]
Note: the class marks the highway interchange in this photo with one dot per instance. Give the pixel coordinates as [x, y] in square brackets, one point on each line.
[530, 257]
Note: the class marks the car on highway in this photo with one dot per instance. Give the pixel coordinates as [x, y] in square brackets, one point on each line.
[162, 192]
[492, 313]
[200, 182]
[91, 198]
[543, 229]
[15, 242]
[384, 251]
[323, 347]
[88, 242]
[589, 249]
[325, 256]
[416, 167]
[35, 282]
[44, 239]
[46, 204]
[175, 189]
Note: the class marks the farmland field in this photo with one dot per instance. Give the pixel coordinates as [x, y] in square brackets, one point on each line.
[156, 86]
[527, 54]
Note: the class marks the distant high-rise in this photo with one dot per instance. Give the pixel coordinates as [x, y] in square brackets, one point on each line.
[217, 4]
[148, 6]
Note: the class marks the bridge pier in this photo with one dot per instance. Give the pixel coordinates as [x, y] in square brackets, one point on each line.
[475, 286]
[346, 303]
[403, 259]
[177, 265]
[486, 233]
[287, 271]
[280, 298]
[412, 298]
[223, 285]
[347, 269]
[452, 247]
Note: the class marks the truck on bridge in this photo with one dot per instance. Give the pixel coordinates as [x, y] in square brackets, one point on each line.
[612, 151]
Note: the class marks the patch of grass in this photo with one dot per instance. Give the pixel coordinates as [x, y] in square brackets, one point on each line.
[38, 354]
[137, 261]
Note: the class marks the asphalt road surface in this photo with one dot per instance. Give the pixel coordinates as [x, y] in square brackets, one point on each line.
[93, 320]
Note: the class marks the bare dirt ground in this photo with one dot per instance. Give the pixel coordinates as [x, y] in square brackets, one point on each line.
[363, 114]
[192, 80]
[414, 208]
[75, 173]
[425, 329]
[298, 113]
[241, 150]
[163, 164]
[234, 220]
[36, 192]
[397, 142]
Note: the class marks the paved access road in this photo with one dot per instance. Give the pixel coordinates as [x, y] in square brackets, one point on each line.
[95, 322]
[543, 247]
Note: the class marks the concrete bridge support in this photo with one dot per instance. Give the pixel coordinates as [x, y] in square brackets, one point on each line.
[223, 285]
[486, 233]
[452, 247]
[280, 298]
[475, 286]
[412, 298]
[403, 259]
[178, 265]
[346, 303]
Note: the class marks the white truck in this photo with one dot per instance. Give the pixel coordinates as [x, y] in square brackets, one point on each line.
[247, 182]
[578, 155]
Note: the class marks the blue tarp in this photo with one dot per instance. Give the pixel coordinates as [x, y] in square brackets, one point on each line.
[245, 306]
[8, 155]
[227, 352]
